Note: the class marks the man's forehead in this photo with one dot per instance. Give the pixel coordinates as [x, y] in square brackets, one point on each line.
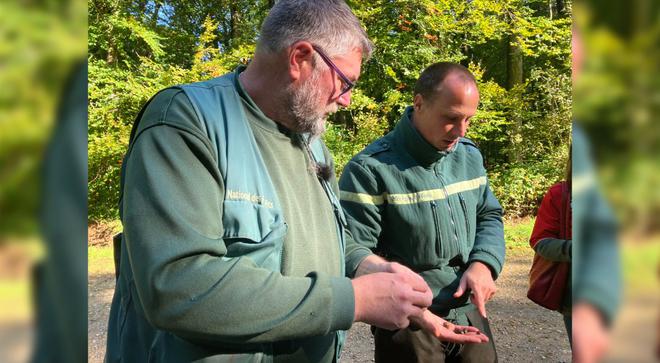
[350, 63]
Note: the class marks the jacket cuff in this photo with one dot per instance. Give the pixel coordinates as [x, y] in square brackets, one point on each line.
[343, 309]
[606, 303]
[489, 259]
[355, 258]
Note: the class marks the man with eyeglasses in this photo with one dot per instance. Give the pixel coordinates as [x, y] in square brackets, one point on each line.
[235, 245]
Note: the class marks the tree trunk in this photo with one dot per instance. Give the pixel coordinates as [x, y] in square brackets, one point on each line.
[514, 71]
[233, 23]
[514, 63]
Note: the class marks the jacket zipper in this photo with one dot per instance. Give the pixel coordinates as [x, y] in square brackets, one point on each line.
[438, 244]
[451, 212]
[465, 212]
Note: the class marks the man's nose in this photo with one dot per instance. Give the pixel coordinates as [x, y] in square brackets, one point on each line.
[345, 99]
[459, 129]
[462, 127]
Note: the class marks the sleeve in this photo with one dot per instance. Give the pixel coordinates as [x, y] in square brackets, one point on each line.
[545, 235]
[354, 253]
[596, 259]
[172, 213]
[554, 249]
[489, 238]
[363, 207]
[597, 265]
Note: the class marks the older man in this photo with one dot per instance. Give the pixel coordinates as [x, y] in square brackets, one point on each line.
[420, 196]
[234, 245]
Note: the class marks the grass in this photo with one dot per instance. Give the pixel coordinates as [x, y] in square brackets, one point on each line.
[516, 236]
[641, 263]
[100, 260]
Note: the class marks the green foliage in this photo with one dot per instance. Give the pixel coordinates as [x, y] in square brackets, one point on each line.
[521, 187]
[139, 47]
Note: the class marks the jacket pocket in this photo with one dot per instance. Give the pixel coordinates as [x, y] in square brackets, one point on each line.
[255, 231]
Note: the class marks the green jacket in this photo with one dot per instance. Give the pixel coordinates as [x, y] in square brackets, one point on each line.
[596, 260]
[429, 210]
[225, 256]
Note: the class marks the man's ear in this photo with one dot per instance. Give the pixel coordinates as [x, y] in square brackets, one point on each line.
[300, 59]
[418, 102]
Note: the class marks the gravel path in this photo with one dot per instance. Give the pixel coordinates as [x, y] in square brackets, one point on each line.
[524, 332]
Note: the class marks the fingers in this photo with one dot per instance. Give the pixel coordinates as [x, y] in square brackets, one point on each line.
[462, 335]
[446, 331]
[421, 299]
[468, 338]
[478, 300]
[386, 300]
[412, 278]
[462, 285]
[466, 329]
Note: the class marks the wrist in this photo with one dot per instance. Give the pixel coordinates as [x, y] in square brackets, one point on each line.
[357, 314]
[372, 264]
[482, 267]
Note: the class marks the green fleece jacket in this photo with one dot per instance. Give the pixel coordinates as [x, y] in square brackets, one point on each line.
[427, 209]
[178, 299]
[596, 267]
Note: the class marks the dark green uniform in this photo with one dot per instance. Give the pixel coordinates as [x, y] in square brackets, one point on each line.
[427, 209]
[182, 295]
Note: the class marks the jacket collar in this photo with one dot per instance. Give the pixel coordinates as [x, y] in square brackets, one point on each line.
[414, 144]
[257, 117]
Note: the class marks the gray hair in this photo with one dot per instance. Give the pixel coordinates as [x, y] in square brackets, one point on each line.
[329, 24]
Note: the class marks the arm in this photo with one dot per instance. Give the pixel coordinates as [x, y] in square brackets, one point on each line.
[487, 256]
[489, 246]
[545, 238]
[554, 249]
[363, 207]
[596, 260]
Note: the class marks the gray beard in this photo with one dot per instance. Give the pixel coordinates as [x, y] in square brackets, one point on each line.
[302, 107]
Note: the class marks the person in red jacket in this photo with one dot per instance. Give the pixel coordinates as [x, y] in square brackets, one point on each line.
[551, 240]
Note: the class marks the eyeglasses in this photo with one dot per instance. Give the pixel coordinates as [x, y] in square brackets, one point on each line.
[347, 85]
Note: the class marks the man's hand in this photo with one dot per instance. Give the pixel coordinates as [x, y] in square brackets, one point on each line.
[590, 336]
[446, 331]
[374, 263]
[478, 279]
[388, 299]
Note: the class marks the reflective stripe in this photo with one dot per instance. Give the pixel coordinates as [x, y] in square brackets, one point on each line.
[417, 197]
[466, 185]
[361, 198]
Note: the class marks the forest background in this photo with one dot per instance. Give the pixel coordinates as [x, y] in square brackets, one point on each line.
[519, 51]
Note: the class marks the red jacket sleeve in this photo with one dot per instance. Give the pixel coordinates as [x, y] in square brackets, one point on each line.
[548, 216]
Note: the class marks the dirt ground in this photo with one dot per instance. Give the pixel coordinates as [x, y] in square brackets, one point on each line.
[523, 331]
